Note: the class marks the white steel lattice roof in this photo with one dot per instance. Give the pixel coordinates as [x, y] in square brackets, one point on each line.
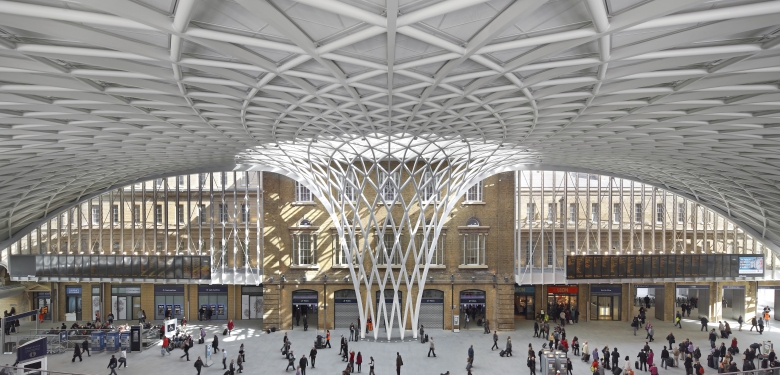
[679, 93]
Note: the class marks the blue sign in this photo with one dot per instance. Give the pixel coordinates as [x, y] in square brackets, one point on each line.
[304, 298]
[98, 341]
[649, 286]
[44, 294]
[112, 341]
[733, 287]
[31, 350]
[212, 289]
[345, 300]
[606, 289]
[692, 286]
[432, 300]
[169, 289]
[63, 336]
[775, 287]
[525, 289]
[22, 315]
[73, 290]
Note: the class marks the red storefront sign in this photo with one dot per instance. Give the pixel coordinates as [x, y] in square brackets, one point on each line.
[569, 289]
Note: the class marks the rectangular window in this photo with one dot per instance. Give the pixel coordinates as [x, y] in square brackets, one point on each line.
[572, 246]
[616, 213]
[115, 213]
[474, 249]
[430, 186]
[549, 253]
[180, 214]
[203, 179]
[223, 213]
[529, 247]
[551, 212]
[159, 182]
[438, 249]
[659, 213]
[158, 213]
[390, 250]
[615, 245]
[594, 245]
[572, 213]
[245, 213]
[349, 188]
[638, 212]
[389, 185]
[474, 194]
[95, 214]
[303, 249]
[594, 212]
[342, 255]
[637, 244]
[202, 213]
[302, 193]
[680, 213]
[182, 180]
[137, 214]
[530, 211]
[223, 179]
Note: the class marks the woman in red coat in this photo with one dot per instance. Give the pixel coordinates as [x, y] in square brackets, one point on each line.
[359, 360]
[230, 326]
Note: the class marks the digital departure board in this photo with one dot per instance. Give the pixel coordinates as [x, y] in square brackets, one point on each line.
[663, 266]
[142, 267]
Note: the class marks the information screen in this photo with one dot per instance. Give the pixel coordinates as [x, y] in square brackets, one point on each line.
[751, 265]
[663, 266]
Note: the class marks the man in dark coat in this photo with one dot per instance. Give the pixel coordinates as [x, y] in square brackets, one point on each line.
[199, 365]
[303, 362]
[398, 363]
[313, 355]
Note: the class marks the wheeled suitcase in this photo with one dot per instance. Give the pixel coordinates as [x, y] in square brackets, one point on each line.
[670, 362]
[636, 365]
[224, 333]
[710, 362]
[502, 353]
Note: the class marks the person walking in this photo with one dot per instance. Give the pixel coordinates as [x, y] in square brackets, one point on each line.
[569, 367]
[313, 355]
[531, 363]
[536, 328]
[112, 365]
[359, 361]
[704, 322]
[753, 324]
[85, 347]
[509, 347]
[224, 359]
[186, 351]
[232, 368]
[665, 358]
[215, 343]
[432, 348]
[302, 363]
[676, 353]
[327, 339]
[290, 360]
[495, 341]
[76, 353]
[230, 326]
[351, 331]
[642, 360]
[650, 332]
[242, 353]
[471, 355]
[670, 339]
[198, 365]
[371, 366]
[305, 328]
[123, 357]
[398, 363]
[677, 320]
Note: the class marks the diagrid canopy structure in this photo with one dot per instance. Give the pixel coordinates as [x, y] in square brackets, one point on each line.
[681, 94]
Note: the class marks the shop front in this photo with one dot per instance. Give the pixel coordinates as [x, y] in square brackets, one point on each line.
[126, 302]
[432, 309]
[73, 303]
[524, 301]
[169, 298]
[345, 308]
[42, 299]
[214, 298]
[305, 305]
[472, 303]
[605, 302]
[561, 297]
[252, 302]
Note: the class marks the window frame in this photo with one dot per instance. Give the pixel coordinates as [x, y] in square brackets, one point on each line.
[115, 213]
[395, 257]
[572, 213]
[180, 213]
[301, 192]
[595, 214]
[638, 212]
[681, 213]
[429, 186]
[389, 185]
[301, 254]
[617, 211]
[158, 213]
[474, 249]
[95, 215]
[224, 215]
[475, 193]
[660, 210]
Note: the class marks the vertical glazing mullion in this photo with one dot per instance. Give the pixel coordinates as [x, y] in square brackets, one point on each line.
[222, 220]
[211, 221]
[725, 234]
[663, 225]
[553, 214]
[705, 244]
[685, 225]
[632, 220]
[654, 219]
[542, 220]
[674, 222]
[565, 215]
[643, 242]
[260, 221]
[576, 218]
[599, 198]
[234, 222]
[90, 224]
[588, 215]
[133, 219]
[111, 223]
[200, 213]
[178, 216]
[143, 218]
[188, 220]
[621, 220]
[695, 227]
[610, 216]
[245, 216]
[518, 225]
[39, 237]
[165, 220]
[530, 216]
[155, 227]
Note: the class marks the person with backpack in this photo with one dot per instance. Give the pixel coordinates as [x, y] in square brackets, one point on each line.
[670, 339]
[615, 357]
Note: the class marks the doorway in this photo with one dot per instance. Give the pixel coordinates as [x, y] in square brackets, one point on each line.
[605, 307]
[73, 305]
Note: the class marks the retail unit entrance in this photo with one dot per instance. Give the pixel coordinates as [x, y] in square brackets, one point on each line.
[305, 308]
[472, 303]
[693, 297]
[605, 302]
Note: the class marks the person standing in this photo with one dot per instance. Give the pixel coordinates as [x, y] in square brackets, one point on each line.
[232, 368]
[351, 331]
[112, 365]
[665, 358]
[327, 339]
[467, 322]
[198, 365]
[215, 343]
[313, 355]
[77, 353]
[615, 357]
[569, 367]
[352, 361]
[432, 348]
[303, 362]
[704, 322]
[305, 328]
[531, 363]
[85, 347]
[230, 326]
[224, 359]
[670, 339]
[650, 332]
[536, 328]
[398, 363]
[422, 333]
[495, 341]
[642, 360]
[371, 366]
[359, 361]
[753, 324]
[471, 355]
